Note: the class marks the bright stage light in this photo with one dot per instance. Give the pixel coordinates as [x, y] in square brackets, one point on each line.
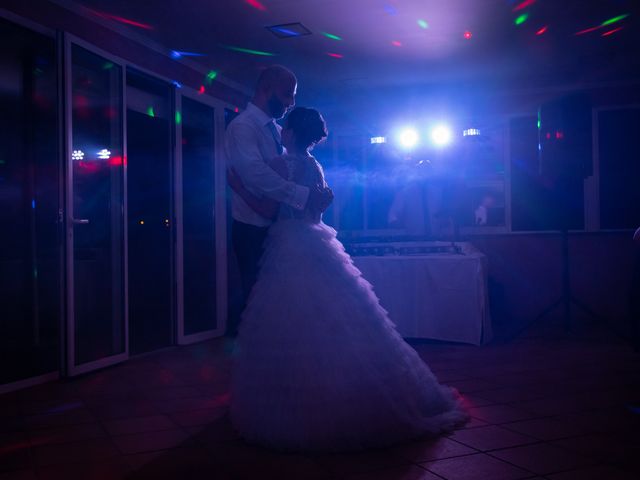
[408, 138]
[441, 135]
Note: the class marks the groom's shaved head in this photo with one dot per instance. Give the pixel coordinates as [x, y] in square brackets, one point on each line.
[273, 76]
[276, 91]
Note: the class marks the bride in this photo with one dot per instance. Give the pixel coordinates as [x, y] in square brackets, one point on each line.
[318, 364]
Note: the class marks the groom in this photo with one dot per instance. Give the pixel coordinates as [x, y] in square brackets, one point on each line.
[252, 139]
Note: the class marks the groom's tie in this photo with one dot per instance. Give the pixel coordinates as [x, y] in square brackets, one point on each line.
[276, 137]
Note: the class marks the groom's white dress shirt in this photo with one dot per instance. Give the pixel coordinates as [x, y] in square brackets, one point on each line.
[251, 141]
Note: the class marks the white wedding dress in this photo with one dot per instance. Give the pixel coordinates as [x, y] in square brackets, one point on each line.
[318, 365]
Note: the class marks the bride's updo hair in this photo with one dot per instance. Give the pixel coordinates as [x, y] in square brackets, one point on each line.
[308, 126]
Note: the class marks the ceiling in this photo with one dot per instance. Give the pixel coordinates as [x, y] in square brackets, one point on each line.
[384, 48]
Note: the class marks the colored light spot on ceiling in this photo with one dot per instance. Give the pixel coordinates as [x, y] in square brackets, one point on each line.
[587, 30]
[331, 36]
[211, 76]
[286, 31]
[107, 66]
[236, 109]
[126, 21]
[603, 24]
[201, 90]
[150, 112]
[396, 43]
[542, 30]
[614, 19]
[179, 54]
[256, 4]
[523, 5]
[250, 51]
[611, 32]
[423, 24]
[178, 118]
[334, 55]
[521, 19]
[467, 35]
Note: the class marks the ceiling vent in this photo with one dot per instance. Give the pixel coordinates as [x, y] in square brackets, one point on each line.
[287, 30]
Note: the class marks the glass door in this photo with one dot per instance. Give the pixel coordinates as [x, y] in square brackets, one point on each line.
[200, 187]
[95, 200]
[150, 224]
[30, 269]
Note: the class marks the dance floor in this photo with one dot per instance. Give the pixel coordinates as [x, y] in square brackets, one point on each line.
[543, 406]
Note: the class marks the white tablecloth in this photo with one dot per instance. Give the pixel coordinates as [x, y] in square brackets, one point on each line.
[435, 296]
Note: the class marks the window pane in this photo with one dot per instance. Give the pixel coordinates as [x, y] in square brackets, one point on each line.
[619, 168]
[29, 203]
[198, 196]
[150, 215]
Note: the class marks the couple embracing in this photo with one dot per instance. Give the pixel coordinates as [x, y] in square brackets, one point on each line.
[318, 365]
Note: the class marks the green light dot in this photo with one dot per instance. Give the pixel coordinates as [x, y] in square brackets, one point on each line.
[252, 52]
[521, 19]
[178, 118]
[211, 76]
[615, 19]
[331, 36]
[150, 112]
[423, 24]
[107, 66]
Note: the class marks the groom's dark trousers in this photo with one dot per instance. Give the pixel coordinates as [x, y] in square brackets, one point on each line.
[248, 245]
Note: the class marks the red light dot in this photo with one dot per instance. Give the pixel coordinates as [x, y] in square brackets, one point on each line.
[468, 35]
[548, 135]
[396, 43]
[334, 55]
[542, 30]
[201, 89]
[236, 110]
[256, 4]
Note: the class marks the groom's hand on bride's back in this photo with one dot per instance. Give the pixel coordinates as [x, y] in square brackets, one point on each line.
[320, 198]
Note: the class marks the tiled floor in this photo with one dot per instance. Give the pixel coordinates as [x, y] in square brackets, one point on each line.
[544, 405]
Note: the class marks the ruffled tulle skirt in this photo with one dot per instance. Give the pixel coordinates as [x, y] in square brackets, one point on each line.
[318, 365]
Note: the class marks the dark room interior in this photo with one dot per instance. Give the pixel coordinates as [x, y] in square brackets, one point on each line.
[320, 239]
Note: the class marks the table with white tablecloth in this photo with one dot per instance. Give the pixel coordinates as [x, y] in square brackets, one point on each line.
[440, 296]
